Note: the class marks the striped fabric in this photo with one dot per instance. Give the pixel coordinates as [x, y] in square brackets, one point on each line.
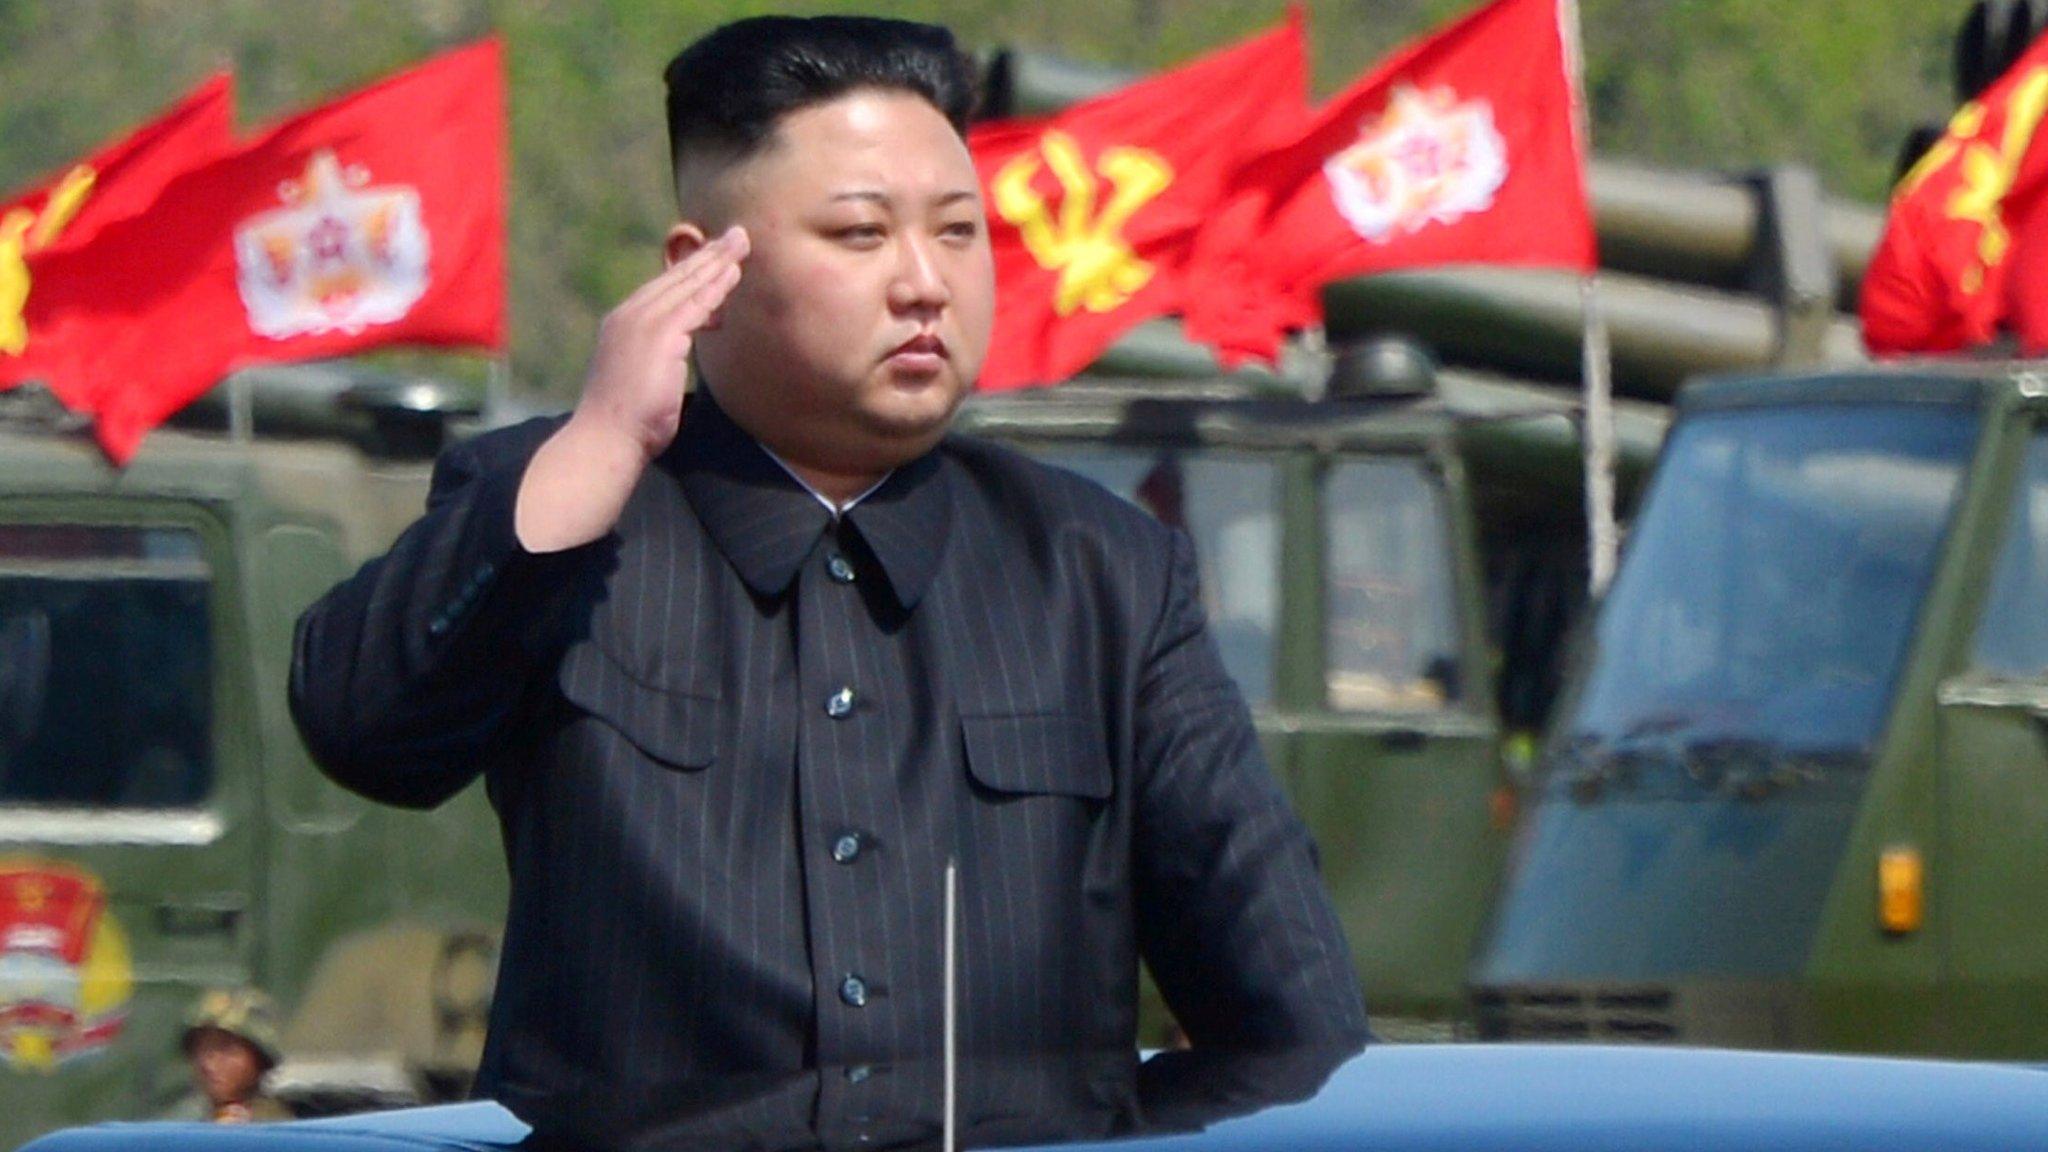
[733, 746]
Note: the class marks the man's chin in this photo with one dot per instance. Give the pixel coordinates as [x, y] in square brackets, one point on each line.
[920, 411]
[906, 438]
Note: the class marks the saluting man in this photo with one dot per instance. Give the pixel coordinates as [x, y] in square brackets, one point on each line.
[743, 670]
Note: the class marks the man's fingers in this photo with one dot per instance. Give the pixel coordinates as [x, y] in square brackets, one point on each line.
[680, 282]
[725, 250]
[723, 273]
[692, 272]
[688, 303]
[698, 310]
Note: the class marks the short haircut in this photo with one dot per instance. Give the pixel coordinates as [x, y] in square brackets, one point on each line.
[727, 91]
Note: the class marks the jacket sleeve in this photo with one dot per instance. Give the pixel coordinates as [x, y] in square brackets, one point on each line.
[405, 674]
[1233, 919]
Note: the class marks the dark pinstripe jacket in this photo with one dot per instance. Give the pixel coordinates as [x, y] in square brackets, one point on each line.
[733, 744]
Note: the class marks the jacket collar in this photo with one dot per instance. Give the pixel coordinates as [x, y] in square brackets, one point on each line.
[905, 523]
[765, 523]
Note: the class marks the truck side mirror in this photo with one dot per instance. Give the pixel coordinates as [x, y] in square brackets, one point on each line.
[24, 676]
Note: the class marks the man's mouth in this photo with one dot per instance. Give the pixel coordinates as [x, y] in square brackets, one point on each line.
[923, 356]
[922, 344]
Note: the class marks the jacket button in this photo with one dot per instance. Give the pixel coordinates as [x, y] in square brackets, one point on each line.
[840, 569]
[840, 705]
[854, 991]
[846, 849]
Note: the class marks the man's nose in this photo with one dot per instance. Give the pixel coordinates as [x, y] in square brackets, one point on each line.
[919, 283]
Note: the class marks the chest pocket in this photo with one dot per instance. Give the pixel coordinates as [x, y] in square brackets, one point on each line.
[676, 729]
[1044, 754]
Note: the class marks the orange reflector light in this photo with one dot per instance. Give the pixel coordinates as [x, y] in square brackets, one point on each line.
[1901, 886]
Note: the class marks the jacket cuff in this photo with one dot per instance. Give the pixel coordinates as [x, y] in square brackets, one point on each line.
[499, 595]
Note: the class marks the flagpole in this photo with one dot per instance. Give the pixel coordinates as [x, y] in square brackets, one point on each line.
[1603, 537]
[497, 389]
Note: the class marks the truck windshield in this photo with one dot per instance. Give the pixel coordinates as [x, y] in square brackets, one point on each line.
[1230, 506]
[106, 649]
[1771, 582]
[1390, 614]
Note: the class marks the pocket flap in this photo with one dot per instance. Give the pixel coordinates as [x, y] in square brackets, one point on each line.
[679, 729]
[1053, 753]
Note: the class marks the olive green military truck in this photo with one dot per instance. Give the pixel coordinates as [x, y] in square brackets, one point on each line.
[1796, 794]
[162, 830]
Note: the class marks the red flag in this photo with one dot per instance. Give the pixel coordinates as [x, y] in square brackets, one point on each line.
[1945, 275]
[376, 219]
[1093, 212]
[1461, 148]
[120, 181]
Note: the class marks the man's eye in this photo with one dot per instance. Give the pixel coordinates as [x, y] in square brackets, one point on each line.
[961, 230]
[860, 234]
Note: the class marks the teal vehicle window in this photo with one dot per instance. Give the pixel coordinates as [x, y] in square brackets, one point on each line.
[1771, 585]
[1230, 507]
[106, 654]
[1390, 624]
[2012, 634]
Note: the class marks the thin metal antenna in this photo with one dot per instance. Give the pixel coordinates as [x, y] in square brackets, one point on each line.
[241, 408]
[950, 1139]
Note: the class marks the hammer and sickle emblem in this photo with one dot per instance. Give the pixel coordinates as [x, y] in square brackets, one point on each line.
[1098, 270]
[1987, 170]
[24, 233]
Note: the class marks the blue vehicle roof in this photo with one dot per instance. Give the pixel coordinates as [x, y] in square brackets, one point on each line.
[479, 1127]
[1422, 1098]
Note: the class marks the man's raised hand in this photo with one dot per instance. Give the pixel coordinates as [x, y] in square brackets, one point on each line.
[635, 386]
[631, 408]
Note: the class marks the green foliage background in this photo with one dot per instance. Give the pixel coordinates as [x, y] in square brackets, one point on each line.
[1691, 83]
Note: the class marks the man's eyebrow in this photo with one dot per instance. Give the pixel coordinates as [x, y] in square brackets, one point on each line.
[942, 200]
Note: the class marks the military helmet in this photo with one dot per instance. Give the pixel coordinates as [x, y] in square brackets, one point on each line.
[243, 1013]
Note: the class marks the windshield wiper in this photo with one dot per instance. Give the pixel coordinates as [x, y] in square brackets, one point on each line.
[1587, 762]
[1752, 768]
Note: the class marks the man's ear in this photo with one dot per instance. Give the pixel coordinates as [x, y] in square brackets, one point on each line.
[684, 237]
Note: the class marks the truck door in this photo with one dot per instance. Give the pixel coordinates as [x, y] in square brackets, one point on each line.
[1990, 877]
[124, 853]
[1396, 757]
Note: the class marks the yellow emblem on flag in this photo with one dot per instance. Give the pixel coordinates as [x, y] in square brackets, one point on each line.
[1986, 171]
[24, 233]
[1098, 269]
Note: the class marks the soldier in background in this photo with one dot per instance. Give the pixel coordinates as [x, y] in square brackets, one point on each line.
[230, 1040]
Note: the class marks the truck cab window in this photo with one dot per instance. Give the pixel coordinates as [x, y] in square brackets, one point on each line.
[106, 698]
[1773, 580]
[2012, 634]
[1230, 507]
[1390, 621]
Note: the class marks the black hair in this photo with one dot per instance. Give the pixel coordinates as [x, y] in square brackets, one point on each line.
[727, 91]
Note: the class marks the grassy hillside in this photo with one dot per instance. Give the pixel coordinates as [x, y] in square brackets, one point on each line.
[1701, 83]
